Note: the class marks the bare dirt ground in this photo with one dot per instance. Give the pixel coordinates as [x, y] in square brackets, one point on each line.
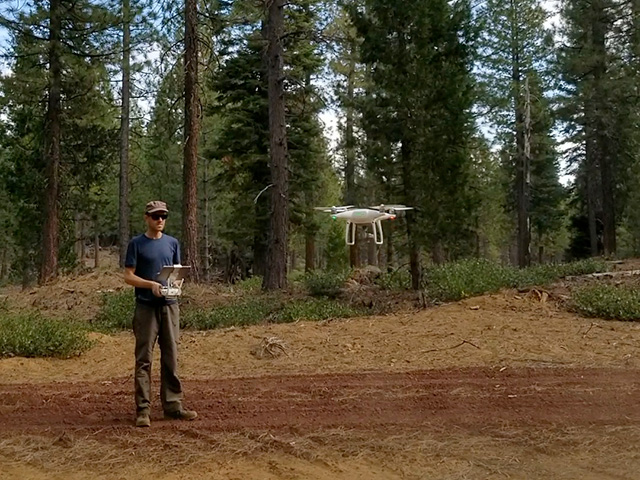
[510, 385]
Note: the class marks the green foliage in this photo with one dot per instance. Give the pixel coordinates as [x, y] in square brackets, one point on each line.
[116, 311]
[326, 284]
[336, 251]
[32, 335]
[547, 273]
[608, 301]
[248, 312]
[399, 279]
[267, 309]
[316, 309]
[250, 285]
[467, 278]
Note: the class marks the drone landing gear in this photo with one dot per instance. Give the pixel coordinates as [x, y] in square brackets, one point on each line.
[350, 233]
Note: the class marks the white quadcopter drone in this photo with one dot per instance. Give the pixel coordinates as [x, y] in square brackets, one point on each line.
[364, 216]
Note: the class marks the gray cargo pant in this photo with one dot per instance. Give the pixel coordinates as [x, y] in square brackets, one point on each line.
[161, 323]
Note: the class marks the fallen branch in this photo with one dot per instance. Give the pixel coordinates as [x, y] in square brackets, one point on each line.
[623, 273]
[270, 347]
[593, 324]
[451, 348]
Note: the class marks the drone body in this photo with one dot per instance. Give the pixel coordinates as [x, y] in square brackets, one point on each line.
[364, 216]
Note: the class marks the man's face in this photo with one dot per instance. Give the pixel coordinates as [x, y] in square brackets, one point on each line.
[156, 221]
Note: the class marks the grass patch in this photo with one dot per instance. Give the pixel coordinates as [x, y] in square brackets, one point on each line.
[471, 277]
[32, 335]
[609, 302]
[116, 312]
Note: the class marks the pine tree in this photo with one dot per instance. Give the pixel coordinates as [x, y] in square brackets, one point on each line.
[77, 123]
[420, 101]
[514, 79]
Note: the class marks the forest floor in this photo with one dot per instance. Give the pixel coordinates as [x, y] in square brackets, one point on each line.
[508, 385]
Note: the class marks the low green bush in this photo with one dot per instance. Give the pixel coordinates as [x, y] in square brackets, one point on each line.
[609, 302]
[325, 284]
[267, 310]
[466, 278]
[243, 313]
[32, 335]
[547, 273]
[470, 277]
[399, 279]
[251, 284]
[116, 311]
[316, 309]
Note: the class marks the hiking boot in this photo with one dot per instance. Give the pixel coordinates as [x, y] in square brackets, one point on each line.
[143, 420]
[181, 415]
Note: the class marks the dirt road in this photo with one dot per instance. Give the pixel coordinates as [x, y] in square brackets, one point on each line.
[470, 398]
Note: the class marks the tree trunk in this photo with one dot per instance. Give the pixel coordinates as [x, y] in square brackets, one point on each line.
[206, 253]
[96, 245]
[414, 249]
[522, 170]
[602, 132]
[350, 149]
[4, 272]
[276, 274]
[388, 240]
[437, 253]
[309, 253]
[50, 235]
[372, 252]
[293, 259]
[591, 184]
[191, 133]
[123, 230]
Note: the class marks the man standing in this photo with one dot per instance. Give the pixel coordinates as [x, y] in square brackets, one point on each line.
[155, 317]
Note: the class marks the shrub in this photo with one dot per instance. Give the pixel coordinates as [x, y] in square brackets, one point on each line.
[399, 279]
[325, 284]
[116, 311]
[466, 278]
[245, 313]
[32, 335]
[271, 310]
[548, 273]
[609, 302]
[316, 309]
[251, 284]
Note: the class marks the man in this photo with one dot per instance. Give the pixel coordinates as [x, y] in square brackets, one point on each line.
[155, 317]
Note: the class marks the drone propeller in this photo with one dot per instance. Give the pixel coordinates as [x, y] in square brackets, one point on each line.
[334, 209]
[391, 208]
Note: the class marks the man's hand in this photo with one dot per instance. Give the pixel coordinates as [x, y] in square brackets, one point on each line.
[155, 289]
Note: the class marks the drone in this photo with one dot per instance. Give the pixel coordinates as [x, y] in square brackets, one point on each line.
[364, 216]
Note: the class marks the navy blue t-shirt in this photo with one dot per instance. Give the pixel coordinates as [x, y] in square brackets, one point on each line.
[148, 256]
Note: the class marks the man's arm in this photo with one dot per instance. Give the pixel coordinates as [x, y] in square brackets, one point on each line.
[132, 279]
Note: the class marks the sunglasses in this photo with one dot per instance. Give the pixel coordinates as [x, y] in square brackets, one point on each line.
[158, 216]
